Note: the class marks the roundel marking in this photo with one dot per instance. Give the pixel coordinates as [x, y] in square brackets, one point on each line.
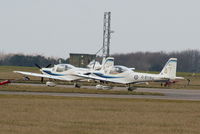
[136, 77]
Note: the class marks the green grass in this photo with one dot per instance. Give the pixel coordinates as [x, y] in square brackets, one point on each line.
[60, 115]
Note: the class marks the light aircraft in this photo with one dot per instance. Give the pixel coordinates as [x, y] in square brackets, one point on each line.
[107, 72]
[123, 75]
[64, 72]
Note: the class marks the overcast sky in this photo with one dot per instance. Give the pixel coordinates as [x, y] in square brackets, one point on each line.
[58, 27]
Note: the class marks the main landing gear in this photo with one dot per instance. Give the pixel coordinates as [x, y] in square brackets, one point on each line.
[131, 88]
[76, 85]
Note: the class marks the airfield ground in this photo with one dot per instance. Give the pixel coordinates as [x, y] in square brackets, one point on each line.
[61, 115]
[22, 114]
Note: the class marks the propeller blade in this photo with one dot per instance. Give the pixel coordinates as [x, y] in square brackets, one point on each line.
[48, 65]
[37, 66]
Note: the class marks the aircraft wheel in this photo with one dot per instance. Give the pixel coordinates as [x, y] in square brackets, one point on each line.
[106, 87]
[26, 78]
[77, 85]
[131, 88]
[99, 87]
[50, 84]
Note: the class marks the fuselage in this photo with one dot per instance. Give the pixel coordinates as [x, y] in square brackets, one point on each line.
[65, 71]
[124, 75]
[116, 74]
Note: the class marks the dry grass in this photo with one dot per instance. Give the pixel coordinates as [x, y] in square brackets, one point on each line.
[6, 72]
[60, 115]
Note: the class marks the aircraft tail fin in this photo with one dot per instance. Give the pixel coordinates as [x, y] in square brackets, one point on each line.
[169, 70]
[107, 63]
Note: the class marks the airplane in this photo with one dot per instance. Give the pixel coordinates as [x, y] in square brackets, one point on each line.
[95, 65]
[64, 72]
[108, 72]
[124, 75]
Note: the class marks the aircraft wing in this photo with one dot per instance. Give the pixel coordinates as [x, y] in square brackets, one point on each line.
[97, 78]
[180, 78]
[132, 68]
[91, 77]
[42, 75]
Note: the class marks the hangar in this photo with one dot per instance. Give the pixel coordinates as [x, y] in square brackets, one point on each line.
[80, 59]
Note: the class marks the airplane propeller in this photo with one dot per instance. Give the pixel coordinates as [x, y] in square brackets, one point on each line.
[48, 66]
[38, 66]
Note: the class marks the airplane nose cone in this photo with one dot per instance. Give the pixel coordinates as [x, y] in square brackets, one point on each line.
[41, 70]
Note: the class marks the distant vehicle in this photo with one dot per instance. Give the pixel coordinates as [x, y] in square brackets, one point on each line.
[123, 75]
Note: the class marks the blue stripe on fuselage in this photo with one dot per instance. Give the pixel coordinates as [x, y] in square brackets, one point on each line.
[50, 73]
[106, 76]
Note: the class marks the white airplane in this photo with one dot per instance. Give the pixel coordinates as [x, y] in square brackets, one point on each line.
[94, 65]
[64, 72]
[124, 75]
[67, 72]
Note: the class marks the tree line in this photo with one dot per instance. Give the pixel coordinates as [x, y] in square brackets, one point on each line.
[28, 60]
[188, 60]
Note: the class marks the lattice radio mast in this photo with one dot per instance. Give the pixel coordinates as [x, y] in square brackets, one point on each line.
[106, 34]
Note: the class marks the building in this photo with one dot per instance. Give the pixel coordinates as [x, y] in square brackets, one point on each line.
[81, 60]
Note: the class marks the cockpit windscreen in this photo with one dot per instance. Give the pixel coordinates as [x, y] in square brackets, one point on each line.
[118, 69]
[63, 67]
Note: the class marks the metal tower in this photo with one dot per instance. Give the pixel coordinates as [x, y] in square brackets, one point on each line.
[106, 34]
